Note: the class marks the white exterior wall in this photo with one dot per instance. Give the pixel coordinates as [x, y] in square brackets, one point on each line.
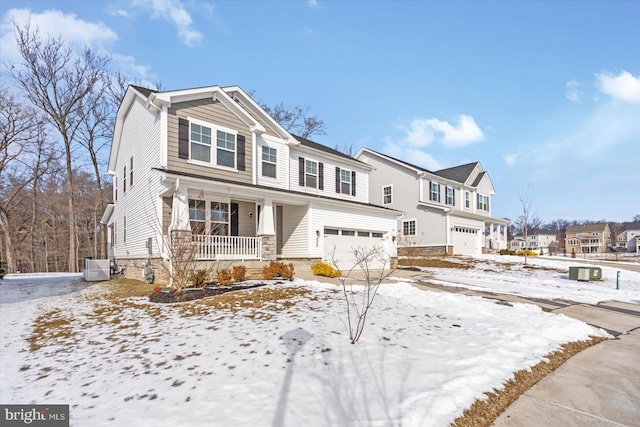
[282, 177]
[295, 235]
[329, 215]
[484, 187]
[141, 203]
[330, 163]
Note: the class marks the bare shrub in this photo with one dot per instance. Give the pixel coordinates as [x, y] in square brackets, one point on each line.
[239, 273]
[224, 277]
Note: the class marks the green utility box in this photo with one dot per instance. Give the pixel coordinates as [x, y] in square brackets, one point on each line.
[585, 274]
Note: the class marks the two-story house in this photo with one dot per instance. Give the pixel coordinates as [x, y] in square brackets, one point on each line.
[543, 241]
[446, 211]
[212, 163]
[630, 238]
[590, 238]
[517, 244]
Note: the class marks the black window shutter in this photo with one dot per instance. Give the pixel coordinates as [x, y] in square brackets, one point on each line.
[301, 171]
[321, 176]
[438, 193]
[353, 183]
[241, 152]
[183, 138]
[234, 219]
[454, 196]
[337, 179]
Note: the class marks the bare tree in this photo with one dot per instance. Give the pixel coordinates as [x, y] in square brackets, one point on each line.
[296, 119]
[525, 201]
[359, 301]
[56, 81]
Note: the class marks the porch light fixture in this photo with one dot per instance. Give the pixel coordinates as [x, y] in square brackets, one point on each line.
[250, 214]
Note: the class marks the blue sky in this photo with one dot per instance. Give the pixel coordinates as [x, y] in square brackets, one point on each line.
[543, 94]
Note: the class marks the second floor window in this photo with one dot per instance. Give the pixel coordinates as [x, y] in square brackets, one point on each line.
[226, 151]
[200, 143]
[467, 200]
[483, 202]
[131, 171]
[451, 196]
[345, 181]
[386, 195]
[311, 173]
[269, 161]
[434, 192]
[124, 180]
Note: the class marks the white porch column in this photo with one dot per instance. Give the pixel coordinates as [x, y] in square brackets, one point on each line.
[180, 208]
[267, 231]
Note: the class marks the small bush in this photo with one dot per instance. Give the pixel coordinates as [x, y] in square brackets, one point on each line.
[277, 269]
[528, 253]
[224, 277]
[507, 252]
[323, 269]
[239, 273]
[199, 278]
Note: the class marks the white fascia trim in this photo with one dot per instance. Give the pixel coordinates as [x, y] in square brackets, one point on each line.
[373, 153]
[129, 98]
[433, 206]
[235, 92]
[107, 214]
[335, 160]
[164, 136]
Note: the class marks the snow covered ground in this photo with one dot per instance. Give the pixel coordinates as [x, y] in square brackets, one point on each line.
[507, 274]
[424, 357]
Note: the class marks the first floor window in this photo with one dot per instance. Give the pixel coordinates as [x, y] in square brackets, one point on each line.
[409, 227]
[197, 216]
[311, 173]
[269, 161]
[219, 219]
[386, 195]
[124, 229]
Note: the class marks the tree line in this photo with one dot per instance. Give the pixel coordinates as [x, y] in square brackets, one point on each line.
[57, 115]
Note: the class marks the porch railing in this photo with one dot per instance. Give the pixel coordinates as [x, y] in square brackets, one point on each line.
[227, 247]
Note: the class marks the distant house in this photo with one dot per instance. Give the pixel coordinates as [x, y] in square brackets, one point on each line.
[445, 211]
[630, 238]
[517, 243]
[210, 164]
[590, 238]
[543, 241]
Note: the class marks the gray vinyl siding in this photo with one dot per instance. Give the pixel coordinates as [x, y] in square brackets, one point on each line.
[295, 235]
[167, 206]
[246, 224]
[140, 203]
[217, 114]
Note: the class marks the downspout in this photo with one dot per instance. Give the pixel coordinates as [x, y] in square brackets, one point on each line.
[448, 213]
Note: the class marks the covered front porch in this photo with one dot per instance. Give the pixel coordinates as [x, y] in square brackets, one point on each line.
[222, 224]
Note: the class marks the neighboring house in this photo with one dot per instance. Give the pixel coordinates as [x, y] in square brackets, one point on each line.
[517, 243]
[211, 163]
[538, 241]
[590, 238]
[446, 211]
[630, 238]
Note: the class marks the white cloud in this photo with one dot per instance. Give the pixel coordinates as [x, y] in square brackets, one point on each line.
[413, 155]
[573, 91]
[119, 12]
[313, 3]
[174, 12]
[54, 23]
[510, 159]
[624, 86]
[422, 132]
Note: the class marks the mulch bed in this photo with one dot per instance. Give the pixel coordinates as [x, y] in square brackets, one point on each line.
[190, 294]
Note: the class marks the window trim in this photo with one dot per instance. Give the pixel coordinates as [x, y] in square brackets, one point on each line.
[192, 220]
[131, 172]
[484, 204]
[415, 227]
[124, 179]
[345, 172]
[211, 222]
[449, 197]
[390, 187]
[274, 163]
[467, 200]
[308, 174]
[213, 148]
[431, 192]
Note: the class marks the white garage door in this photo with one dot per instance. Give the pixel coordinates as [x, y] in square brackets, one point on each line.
[466, 241]
[340, 245]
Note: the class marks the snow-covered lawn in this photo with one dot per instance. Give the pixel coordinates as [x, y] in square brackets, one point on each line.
[548, 278]
[276, 355]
